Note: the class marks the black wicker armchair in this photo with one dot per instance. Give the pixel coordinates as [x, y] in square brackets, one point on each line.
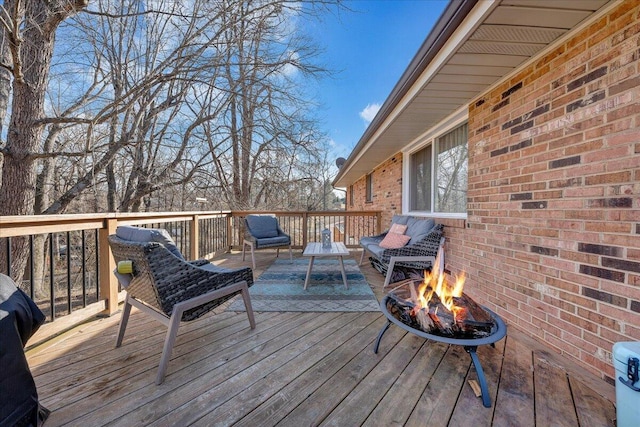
[171, 290]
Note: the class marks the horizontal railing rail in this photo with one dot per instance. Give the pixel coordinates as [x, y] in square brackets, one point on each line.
[306, 226]
[69, 266]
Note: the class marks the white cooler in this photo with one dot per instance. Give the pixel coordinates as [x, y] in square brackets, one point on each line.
[626, 360]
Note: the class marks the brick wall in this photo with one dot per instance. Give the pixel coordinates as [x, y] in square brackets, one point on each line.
[553, 240]
[387, 190]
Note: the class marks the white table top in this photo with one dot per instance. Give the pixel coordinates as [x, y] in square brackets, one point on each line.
[315, 249]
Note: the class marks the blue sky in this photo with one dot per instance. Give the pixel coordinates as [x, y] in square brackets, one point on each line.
[369, 48]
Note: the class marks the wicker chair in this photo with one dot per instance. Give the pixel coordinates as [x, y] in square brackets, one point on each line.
[263, 231]
[172, 290]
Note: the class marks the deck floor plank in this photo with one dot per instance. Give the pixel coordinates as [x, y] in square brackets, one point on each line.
[134, 360]
[552, 395]
[305, 369]
[275, 408]
[592, 410]
[469, 410]
[398, 403]
[356, 407]
[438, 400]
[251, 397]
[306, 338]
[124, 393]
[240, 365]
[321, 403]
[514, 404]
[135, 346]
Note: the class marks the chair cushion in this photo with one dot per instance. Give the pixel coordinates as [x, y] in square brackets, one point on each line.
[214, 268]
[394, 240]
[266, 242]
[370, 240]
[417, 228]
[376, 250]
[139, 234]
[262, 226]
[420, 237]
[400, 219]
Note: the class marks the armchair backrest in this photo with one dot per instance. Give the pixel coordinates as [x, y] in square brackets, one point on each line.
[142, 283]
[261, 226]
[144, 235]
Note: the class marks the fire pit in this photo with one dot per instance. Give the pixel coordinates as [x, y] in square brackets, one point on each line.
[433, 309]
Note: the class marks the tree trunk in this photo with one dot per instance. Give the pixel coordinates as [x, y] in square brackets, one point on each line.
[24, 134]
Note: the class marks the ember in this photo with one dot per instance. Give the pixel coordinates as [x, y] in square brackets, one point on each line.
[439, 307]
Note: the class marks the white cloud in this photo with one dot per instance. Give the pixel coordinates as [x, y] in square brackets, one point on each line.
[369, 112]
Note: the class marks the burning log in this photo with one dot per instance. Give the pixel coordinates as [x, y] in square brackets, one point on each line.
[466, 319]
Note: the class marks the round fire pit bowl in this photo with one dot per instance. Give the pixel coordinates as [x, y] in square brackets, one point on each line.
[470, 344]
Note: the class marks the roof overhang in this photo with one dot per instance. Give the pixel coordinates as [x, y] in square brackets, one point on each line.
[474, 45]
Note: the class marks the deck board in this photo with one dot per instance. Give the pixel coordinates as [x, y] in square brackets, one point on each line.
[396, 406]
[514, 404]
[551, 407]
[304, 369]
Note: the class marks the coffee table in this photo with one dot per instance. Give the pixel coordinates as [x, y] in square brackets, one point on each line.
[315, 250]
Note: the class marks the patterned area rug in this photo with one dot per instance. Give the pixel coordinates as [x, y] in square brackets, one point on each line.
[281, 288]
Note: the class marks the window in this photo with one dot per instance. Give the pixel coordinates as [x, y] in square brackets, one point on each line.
[351, 195]
[369, 188]
[438, 174]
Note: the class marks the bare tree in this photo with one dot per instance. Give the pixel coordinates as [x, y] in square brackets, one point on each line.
[29, 31]
[265, 132]
[204, 97]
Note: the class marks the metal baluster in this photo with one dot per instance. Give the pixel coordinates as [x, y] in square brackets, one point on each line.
[69, 291]
[52, 279]
[84, 270]
[32, 269]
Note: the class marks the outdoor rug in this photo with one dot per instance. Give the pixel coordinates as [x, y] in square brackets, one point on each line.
[281, 288]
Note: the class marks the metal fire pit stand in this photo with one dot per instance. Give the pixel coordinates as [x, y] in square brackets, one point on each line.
[470, 345]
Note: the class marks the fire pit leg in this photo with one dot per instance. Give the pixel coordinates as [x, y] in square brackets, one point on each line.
[486, 400]
[380, 334]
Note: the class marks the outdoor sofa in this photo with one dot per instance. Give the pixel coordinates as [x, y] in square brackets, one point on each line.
[411, 242]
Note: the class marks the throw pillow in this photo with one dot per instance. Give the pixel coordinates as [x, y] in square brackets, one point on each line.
[398, 228]
[140, 234]
[394, 241]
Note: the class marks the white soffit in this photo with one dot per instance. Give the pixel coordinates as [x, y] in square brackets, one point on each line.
[508, 36]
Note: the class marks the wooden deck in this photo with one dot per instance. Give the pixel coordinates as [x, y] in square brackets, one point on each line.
[304, 369]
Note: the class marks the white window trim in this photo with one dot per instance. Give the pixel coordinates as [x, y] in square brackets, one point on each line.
[453, 121]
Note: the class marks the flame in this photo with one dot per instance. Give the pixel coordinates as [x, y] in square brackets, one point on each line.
[435, 283]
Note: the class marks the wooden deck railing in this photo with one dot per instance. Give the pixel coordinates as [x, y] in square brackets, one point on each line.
[69, 270]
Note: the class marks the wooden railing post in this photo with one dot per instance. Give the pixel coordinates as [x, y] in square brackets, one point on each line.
[305, 226]
[194, 232]
[230, 238]
[108, 282]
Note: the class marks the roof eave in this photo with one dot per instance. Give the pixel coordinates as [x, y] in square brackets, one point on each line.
[452, 16]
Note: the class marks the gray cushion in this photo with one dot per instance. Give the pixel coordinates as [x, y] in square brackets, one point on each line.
[139, 234]
[376, 250]
[272, 241]
[262, 226]
[419, 228]
[214, 268]
[400, 219]
[370, 240]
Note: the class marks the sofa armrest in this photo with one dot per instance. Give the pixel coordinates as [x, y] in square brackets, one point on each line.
[427, 260]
